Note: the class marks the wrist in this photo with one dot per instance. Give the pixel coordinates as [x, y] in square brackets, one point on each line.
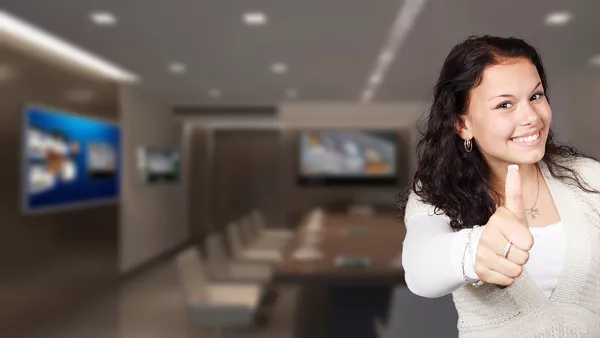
[470, 256]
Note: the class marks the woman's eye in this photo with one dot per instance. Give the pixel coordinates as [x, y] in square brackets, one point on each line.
[537, 96]
[504, 105]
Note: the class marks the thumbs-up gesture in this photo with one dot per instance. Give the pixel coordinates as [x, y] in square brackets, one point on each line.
[506, 233]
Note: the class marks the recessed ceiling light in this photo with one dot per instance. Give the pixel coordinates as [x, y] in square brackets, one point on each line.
[559, 18]
[255, 18]
[403, 23]
[595, 61]
[215, 93]
[177, 68]
[375, 79]
[291, 93]
[279, 68]
[386, 56]
[103, 18]
[35, 37]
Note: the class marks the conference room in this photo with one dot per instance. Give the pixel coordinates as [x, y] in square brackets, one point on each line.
[233, 169]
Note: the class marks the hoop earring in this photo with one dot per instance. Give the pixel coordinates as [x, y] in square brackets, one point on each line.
[468, 145]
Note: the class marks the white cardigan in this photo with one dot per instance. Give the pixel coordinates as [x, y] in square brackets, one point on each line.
[521, 310]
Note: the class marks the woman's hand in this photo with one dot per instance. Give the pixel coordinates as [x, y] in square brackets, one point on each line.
[506, 224]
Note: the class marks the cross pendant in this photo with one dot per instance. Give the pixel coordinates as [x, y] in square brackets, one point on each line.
[533, 212]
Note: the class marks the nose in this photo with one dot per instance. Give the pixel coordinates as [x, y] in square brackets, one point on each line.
[529, 115]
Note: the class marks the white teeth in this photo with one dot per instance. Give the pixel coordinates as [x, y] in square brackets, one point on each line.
[527, 139]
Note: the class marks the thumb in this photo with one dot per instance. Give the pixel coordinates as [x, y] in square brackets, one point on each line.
[514, 193]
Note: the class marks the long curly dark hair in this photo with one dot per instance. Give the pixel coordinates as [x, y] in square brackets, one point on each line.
[456, 182]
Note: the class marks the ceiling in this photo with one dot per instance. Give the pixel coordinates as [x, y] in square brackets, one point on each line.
[331, 46]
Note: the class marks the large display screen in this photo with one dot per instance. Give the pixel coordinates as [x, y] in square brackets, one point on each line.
[348, 157]
[68, 160]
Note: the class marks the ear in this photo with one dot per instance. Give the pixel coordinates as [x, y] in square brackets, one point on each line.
[463, 127]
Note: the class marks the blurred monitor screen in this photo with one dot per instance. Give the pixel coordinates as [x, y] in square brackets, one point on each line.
[348, 157]
[158, 165]
[68, 160]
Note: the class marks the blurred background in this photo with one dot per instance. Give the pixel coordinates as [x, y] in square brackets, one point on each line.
[217, 168]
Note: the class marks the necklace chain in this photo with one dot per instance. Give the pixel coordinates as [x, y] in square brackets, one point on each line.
[533, 211]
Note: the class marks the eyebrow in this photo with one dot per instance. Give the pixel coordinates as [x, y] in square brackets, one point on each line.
[509, 95]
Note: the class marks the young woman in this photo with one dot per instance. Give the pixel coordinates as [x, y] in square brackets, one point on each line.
[498, 214]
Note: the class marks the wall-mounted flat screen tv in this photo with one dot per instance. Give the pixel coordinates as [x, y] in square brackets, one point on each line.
[348, 157]
[68, 160]
[158, 165]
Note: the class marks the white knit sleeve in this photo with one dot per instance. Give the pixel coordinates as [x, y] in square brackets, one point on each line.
[432, 252]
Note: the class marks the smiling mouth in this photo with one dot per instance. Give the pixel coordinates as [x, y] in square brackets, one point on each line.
[528, 140]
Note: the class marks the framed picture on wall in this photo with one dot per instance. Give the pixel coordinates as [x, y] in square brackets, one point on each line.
[157, 165]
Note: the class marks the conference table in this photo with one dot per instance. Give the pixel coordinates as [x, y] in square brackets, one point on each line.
[349, 283]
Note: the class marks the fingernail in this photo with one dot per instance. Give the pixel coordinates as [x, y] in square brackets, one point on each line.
[513, 167]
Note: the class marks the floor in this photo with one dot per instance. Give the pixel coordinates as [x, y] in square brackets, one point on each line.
[150, 306]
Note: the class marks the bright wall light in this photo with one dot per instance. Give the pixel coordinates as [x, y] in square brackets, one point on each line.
[22, 31]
